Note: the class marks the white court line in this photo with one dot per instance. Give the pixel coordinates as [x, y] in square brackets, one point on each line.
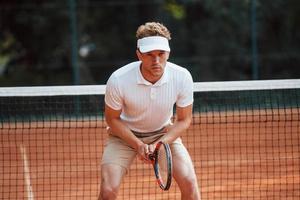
[29, 190]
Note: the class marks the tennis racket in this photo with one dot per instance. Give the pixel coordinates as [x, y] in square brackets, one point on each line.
[162, 164]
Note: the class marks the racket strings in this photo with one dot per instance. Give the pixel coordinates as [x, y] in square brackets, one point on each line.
[163, 165]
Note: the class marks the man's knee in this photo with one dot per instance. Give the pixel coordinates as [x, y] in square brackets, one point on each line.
[108, 193]
[111, 177]
[189, 188]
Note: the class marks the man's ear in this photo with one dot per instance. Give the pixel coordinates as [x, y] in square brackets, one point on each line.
[168, 55]
[138, 54]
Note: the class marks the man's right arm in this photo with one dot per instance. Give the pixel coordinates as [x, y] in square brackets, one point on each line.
[120, 129]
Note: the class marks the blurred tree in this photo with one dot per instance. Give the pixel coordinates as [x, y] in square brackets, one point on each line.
[212, 38]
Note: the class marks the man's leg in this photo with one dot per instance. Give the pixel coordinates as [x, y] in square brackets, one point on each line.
[184, 173]
[116, 160]
[111, 178]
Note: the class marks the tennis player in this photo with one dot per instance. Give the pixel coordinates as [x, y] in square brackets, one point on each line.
[139, 102]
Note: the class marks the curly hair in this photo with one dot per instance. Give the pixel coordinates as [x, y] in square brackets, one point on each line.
[152, 29]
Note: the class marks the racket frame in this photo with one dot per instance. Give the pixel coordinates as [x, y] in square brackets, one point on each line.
[154, 158]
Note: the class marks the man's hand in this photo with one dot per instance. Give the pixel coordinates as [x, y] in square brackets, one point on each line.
[144, 150]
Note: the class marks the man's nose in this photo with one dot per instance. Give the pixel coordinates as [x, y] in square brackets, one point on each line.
[156, 59]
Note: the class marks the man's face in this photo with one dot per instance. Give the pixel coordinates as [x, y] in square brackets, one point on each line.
[153, 64]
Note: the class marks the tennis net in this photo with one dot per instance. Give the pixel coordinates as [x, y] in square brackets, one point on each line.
[244, 141]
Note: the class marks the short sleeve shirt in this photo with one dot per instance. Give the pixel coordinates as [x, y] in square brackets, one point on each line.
[148, 107]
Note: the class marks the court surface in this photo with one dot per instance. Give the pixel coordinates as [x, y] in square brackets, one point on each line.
[236, 157]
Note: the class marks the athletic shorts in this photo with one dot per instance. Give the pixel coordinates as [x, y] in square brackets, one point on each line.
[118, 152]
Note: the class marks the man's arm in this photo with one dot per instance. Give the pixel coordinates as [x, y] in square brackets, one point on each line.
[119, 129]
[183, 120]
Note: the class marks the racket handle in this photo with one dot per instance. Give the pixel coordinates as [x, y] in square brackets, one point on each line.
[151, 156]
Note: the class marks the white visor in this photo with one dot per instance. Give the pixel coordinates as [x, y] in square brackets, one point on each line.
[152, 43]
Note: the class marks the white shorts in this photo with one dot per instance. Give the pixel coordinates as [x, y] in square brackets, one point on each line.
[118, 152]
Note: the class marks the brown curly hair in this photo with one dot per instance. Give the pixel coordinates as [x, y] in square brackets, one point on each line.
[152, 29]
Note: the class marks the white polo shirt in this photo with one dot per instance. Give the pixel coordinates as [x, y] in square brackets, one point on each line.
[148, 107]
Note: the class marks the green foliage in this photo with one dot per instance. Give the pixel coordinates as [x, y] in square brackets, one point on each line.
[175, 9]
[212, 38]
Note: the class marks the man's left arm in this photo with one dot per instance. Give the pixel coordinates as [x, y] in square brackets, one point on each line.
[183, 120]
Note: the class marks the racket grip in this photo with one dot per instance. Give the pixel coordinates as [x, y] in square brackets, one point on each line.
[151, 156]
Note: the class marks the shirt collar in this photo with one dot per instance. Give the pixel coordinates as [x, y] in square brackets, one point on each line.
[141, 80]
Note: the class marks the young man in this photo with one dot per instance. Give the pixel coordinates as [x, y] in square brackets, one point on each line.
[139, 102]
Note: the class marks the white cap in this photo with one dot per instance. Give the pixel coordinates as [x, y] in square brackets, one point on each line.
[152, 43]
